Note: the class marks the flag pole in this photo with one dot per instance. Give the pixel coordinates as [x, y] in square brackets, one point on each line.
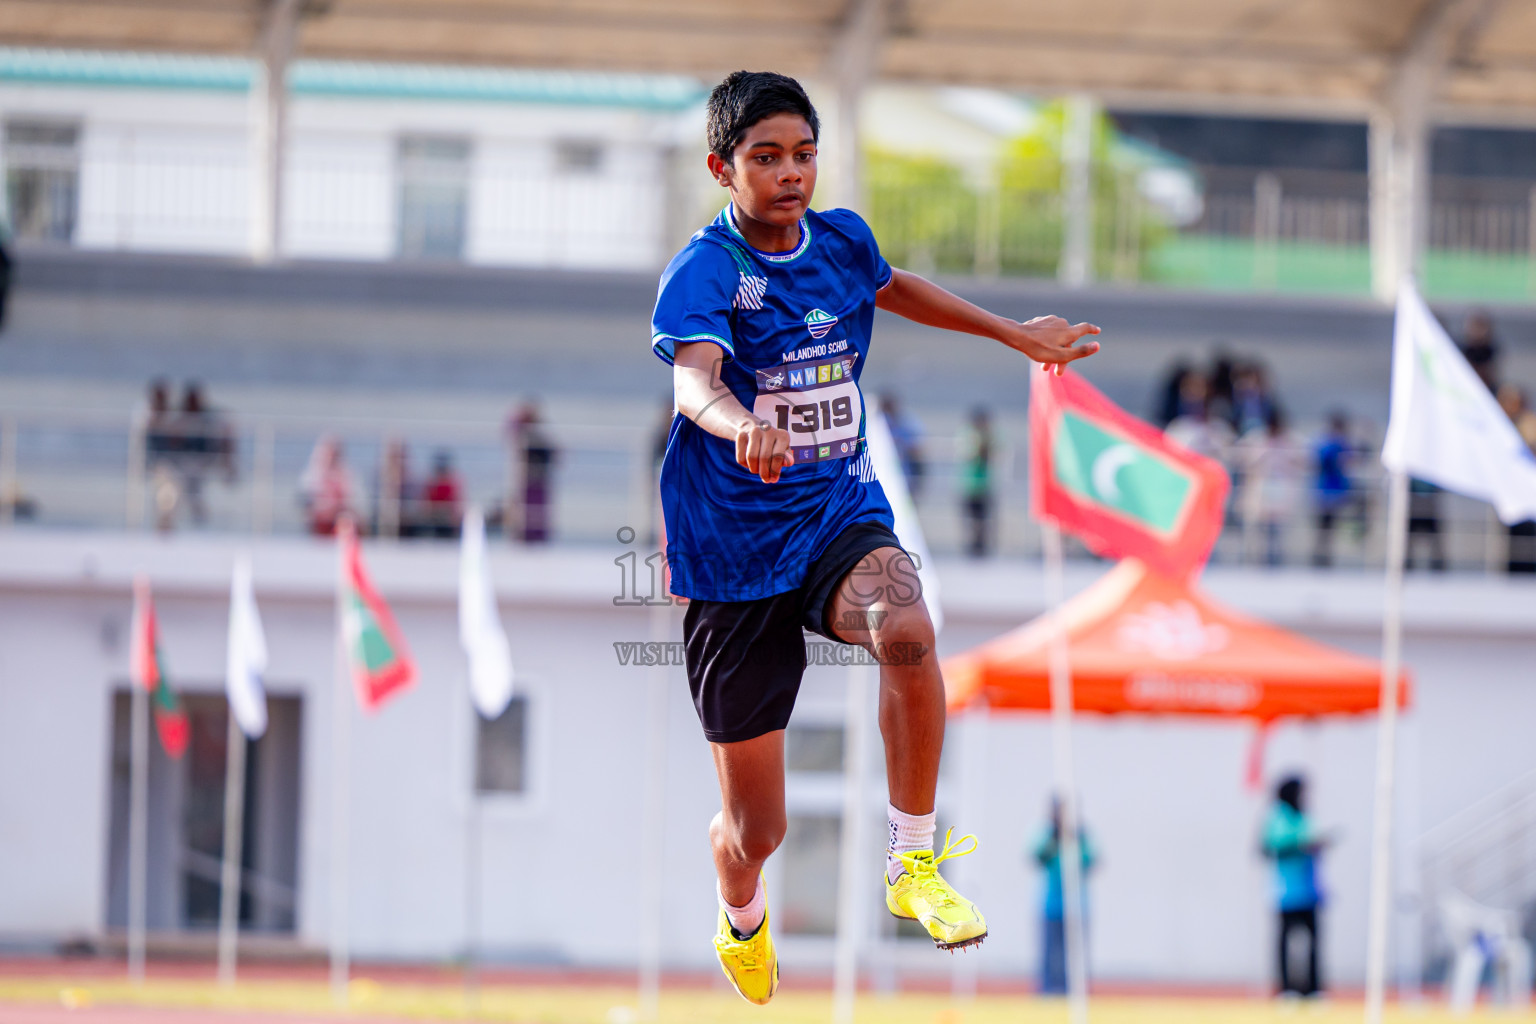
[845, 957]
[975, 725]
[1386, 747]
[234, 838]
[652, 825]
[341, 738]
[138, 829]
[1061, 736]
[472, 896]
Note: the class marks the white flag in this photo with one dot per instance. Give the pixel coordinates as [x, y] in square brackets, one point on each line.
[480, 632]
[247, 657]
[1445, 427]
[893, 480]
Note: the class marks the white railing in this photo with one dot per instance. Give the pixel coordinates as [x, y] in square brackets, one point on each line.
[70, 468]
[1486, 853]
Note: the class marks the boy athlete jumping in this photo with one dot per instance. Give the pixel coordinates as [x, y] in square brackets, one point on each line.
[775, 521]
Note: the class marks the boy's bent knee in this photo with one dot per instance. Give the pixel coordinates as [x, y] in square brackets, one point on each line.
[752, 842]
[905, 637]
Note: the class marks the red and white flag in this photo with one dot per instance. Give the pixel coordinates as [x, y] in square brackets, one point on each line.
[1116, 483]
[147, 669]
[379, 662]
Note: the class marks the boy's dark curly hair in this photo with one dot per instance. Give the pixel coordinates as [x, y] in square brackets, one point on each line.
[747, 97]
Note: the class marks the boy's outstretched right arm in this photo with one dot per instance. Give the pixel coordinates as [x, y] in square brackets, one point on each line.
[701, 396]
[1049, 340]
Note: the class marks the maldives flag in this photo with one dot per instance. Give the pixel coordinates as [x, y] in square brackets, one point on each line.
[147, 668]
[1116, 483]
[380, 664]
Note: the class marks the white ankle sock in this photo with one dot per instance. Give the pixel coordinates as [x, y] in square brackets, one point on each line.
[747, 919]
[908, 832]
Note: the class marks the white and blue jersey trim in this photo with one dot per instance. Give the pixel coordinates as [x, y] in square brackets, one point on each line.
[665, 345]
[862, 467]
[750, 292]
[772, 257]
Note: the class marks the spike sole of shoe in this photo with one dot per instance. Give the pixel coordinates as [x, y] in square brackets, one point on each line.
[974, 940]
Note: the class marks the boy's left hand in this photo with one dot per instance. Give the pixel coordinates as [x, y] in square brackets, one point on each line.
[1051, 341]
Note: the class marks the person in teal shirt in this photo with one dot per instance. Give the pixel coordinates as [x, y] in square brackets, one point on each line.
[1294, 845]
[1053, 934]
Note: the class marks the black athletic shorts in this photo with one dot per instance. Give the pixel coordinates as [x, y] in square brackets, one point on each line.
[745, 658]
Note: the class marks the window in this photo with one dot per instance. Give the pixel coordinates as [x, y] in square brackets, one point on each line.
[501, 750]
[434, 197]
[578, 156]
[813, 748]
[186, 816]
[808, 904]
[42, 179]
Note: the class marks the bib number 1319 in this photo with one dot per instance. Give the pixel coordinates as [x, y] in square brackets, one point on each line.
[817, 403]
[813, 417]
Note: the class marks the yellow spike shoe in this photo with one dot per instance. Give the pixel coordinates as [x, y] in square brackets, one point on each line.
[751, 964]
[920, 894]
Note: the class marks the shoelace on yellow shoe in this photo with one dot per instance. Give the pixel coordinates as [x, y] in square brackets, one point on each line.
[745, 955]
[925, 870]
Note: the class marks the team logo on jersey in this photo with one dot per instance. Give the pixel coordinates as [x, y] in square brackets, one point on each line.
[819, 323]
[774, 381]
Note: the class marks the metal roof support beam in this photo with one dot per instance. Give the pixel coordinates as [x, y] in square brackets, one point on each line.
[269, 126]
[1399, 141]
[1398, 160]
[855, 57]
[1076, 266]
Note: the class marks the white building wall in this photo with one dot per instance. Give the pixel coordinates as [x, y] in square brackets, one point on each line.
[169, 170]
[1180, 894]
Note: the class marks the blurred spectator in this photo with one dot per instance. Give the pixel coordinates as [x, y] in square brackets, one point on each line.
[398, 494]
[907, 433]
[180, 449]
[1424, 522]
[976, 452]
[1171, 394]
[206, 444]
[5, 277]
[327, 487]
[1219, 400]
[1272, 467]
[1252, 403]
[443, 504]
[1481, 348]
[1522, 536]
[1053, 932]
[534, 457]
[161, 444]
[1335, 489]
[1195, 427]
[1294, 845]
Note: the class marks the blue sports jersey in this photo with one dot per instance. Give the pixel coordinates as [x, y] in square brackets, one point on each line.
[794, 328]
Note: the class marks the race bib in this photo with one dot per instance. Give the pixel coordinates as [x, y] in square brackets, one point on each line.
[819, 404]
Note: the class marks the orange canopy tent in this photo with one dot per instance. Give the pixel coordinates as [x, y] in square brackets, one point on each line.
[1142, 643]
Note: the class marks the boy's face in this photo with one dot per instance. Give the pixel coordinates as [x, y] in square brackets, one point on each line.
[772, 173]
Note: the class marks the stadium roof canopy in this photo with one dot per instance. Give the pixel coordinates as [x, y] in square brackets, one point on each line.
[1328, 58]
